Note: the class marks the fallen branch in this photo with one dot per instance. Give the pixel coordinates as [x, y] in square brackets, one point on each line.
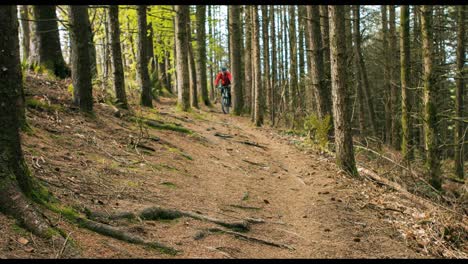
[255, 163]
[63, 247]
[145, 147]
[222, 135]
[245, 207]
[253, 144]
[373, 176]
[253, 239]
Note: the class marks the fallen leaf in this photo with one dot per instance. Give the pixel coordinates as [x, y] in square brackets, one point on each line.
[29, 249]
[23, 241]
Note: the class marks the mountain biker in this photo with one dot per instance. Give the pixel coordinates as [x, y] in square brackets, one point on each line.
[225, 76]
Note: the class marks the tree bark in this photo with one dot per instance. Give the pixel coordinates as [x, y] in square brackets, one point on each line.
[325, 30]
[258, 116]
[16, 184]
[142, 58]
[235, 55]
[394, 94]
[406, 149]
[343, 137]
[293, 85]
[46, 51]
[317, 71]
[181, 20]
[150, 50]
[201, 59]
[430, 108]
[274, 69]
[266, 59]
[81, 73]
[460, 92]
[248, 61]
[117, 66]
[192, 70]
[386, 81]
[24, 14]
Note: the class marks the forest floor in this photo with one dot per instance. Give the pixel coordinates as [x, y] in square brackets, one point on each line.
[221, 167]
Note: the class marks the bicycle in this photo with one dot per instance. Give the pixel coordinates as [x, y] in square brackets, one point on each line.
[225, 102]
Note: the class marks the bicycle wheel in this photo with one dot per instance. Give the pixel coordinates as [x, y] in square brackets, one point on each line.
[225, 105]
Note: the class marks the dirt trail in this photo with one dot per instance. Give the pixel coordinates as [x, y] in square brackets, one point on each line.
[304, 199]
[306, 202]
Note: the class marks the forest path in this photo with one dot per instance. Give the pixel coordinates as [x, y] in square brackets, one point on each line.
[218, 171]
[306, 202]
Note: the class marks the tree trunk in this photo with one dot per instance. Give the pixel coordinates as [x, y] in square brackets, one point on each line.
[266, 59]
[394, 94]
[201, 58]
[117, 66]
[142, 58]
[301, 10]
[24, 14]
[258, 116]
[81, 73]
[15, 180]
[386, 81]
[235, 55]
[150, 50]
[430, 108]
[325, 30]
[343, 137]
[274, 68]
[460, 93]
[416, 72]
[192, 70]
[293, 62]
[248, 61]
[406, 149]
[322, 93]
[181, 20]
[46, 51]
[362, 71]
[285, 90]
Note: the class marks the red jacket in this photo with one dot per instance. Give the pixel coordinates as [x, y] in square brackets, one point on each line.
[225, 78]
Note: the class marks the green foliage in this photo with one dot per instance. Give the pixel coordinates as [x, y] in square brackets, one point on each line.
[169, 184]
[38, 104]
[317, 130]
[70, 90]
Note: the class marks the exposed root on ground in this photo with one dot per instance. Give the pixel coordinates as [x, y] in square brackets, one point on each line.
[250, 238]
[157, 213]
[14, 203]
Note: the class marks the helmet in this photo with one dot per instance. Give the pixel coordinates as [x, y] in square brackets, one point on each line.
[223, 69]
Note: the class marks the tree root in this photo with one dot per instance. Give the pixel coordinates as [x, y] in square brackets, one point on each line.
[253, 144]
[217, 134]
[14, 203]
[156, 213]
[253, 239]
[116, 233]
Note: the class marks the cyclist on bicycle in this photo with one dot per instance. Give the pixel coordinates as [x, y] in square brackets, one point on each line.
[225, 76]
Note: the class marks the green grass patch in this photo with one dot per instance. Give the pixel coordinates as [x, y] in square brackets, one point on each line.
[169, 184]
[19, 230]
[178, 151]
[41, 105]
[164, 166]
